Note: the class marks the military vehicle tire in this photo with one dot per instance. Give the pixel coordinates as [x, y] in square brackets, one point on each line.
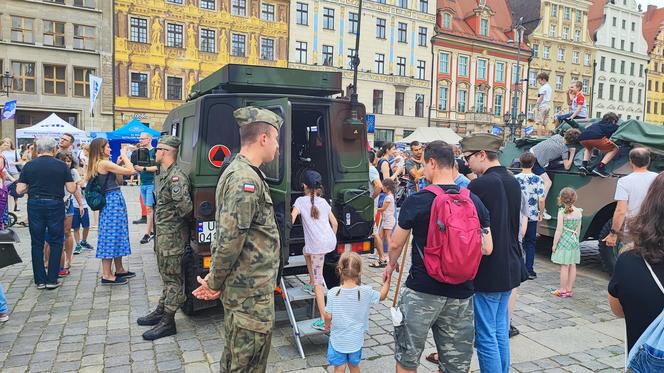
[544, 244]
[607, 254]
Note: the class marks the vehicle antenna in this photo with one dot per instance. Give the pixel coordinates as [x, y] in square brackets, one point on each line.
[356, 63]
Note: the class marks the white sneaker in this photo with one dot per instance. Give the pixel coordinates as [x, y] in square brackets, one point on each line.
[4, 317]
[547, 216]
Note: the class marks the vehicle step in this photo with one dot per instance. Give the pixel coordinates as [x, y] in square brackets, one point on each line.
[297, 293]
[305, 327]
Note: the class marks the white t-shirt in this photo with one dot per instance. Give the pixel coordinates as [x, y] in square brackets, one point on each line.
[10, 159]
[319, 238]
[373, 176]
[350, 316]
[633, 189]
[545, 91]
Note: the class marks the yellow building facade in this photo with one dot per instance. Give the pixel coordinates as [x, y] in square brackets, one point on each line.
[163, 47]
[563, 48]
[655, 89]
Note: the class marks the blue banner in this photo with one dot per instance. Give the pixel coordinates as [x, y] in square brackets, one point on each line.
[528, 131]
[497, 131]
[371, 122]
[9, 111]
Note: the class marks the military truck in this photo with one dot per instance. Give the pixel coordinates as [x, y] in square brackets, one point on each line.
[318, 133]
[595, 194]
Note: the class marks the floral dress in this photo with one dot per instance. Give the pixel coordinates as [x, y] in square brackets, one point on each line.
[568, 250]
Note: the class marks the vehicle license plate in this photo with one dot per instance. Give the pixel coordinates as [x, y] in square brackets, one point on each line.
[206, 231]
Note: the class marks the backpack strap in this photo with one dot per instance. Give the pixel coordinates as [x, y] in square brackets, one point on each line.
[654, 276]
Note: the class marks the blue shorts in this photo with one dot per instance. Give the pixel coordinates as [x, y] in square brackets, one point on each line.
[147, 193]
[81, 220]
[337, 358]
[69, 208]
[538, 169]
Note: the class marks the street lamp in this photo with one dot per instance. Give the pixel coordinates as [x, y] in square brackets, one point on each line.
[517, 76]
[7, 81]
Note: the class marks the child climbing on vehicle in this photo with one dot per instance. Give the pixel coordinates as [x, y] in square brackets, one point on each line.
[347, 313]
[597, 136]
[320, 227]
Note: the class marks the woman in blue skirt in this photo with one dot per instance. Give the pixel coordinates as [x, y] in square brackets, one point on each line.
[113, 237]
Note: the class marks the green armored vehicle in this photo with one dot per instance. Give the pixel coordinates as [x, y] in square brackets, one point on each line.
[319, 133]
[595, 194]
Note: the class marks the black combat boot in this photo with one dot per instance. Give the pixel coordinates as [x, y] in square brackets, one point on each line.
[165, 327]
[152, 318]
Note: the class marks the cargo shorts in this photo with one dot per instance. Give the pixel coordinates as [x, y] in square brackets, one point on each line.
[452, 324]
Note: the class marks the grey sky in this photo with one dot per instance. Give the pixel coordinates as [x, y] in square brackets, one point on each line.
[645, 3]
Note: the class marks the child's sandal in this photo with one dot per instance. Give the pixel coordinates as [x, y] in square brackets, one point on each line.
[378, 264]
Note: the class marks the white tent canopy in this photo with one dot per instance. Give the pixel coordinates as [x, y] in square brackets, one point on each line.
[429, 134]
[51, 126]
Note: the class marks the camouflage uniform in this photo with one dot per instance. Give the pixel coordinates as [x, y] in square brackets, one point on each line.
[172, 207]
[245, 258]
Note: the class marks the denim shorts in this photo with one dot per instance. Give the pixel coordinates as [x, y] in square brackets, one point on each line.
[647, 359]
[81, 221]
[336, 358]
[69, 208]
[147, 193]
[538, 169]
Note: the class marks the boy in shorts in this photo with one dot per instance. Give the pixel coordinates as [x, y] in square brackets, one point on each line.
[78, 222]
[597, 136]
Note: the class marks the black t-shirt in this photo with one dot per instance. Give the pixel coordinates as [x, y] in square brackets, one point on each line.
[46, 177]
[639, 295]
[598, 130]
[415, 213]
[501, 194]
[380, 164]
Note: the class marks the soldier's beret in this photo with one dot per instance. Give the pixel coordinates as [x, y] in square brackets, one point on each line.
[169, 140]
[252, 114]
[481, 141]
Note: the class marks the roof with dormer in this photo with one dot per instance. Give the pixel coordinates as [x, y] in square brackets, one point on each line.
[653, 19]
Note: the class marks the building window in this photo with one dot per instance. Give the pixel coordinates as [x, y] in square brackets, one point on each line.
[602, 63]
[55, 82]
[624, 24]
[641, 71]
[553, 31]
[383, 135]
[577, 35]
[238, 44]
[139, 85]
[481, 69]
[622, 45]
[442, 98]
[328, 55]
[379, 62]
[24, 76]
[561, 54]
[444, 63]
[516, 73]
[484, 27]
[622, 67]
[586, 86]
[535, 50]
[554, 10]
[402, 32]
[82, 81]
[611, 90]
[328, 19]
[84, 37]
[208, 40]
[630, 96]
[447, 20]
[301, 51]
[613, 65]
[173, 88]
[22, 30]
[54, 33]
[462, 95]
[267, 49]
[649, 85]
[565, 33]
[631, 46]
[586, 59]
[631, 69]
[302, 14]
[85, 3]
[424, 6]
[600, 90]
[353, 20]
[138, 30]
[402, 4]
[377, 101]
[575, 57]
[480, 102]
[380, 28]
[463, 66]
[398, 103]
[559, 82]
[422, 36]
[267, 12]
[567, 13]
[239, 7]
[547, 52]
[498, 105]
[421, 69]
[613, 42]
[401, 66]
[179, 2]
[532, 79]
[174, 35]
[500, 72]
[638, 96]
[350, 56]
[614, 22]
[207, 4]
[419, 106]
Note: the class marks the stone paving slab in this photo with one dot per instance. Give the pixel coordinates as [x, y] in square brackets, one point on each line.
[85, 327]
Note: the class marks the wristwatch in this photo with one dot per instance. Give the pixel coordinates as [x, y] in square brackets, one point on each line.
[143, 168]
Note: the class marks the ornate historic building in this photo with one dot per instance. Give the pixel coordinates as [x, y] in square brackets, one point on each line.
[562, 47]
[653, 31]
[621, 58]
[395, 55]
[163, 47]
[51, 48]
[476, 65]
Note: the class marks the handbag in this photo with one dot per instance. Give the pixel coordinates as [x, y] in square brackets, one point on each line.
[8, 255]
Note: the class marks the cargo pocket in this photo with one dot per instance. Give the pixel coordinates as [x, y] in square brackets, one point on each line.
[251, 340]
[265, 212]
[172, 264]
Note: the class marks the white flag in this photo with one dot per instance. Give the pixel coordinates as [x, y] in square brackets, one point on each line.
[95, 87]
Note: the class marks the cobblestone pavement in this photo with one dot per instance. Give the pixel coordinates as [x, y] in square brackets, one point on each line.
[89, 328]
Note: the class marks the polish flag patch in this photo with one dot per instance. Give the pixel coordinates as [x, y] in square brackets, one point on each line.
[249, 188]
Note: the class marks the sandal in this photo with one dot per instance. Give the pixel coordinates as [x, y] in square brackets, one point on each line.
[433, 358]
[378, 264]
[558, 293]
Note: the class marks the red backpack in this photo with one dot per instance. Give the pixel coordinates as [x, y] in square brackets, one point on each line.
[453, 249]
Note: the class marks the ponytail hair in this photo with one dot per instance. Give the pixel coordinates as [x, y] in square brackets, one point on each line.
[567, 198]
[314, 210]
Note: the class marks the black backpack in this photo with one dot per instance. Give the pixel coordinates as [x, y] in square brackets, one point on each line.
[95, 193]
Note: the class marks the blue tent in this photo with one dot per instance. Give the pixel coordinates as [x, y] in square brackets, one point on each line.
[127, 134]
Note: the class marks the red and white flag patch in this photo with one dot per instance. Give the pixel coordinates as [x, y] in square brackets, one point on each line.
[249, 188]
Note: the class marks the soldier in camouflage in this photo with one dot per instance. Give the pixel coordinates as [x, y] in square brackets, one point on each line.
[172, 210]
[245, 250]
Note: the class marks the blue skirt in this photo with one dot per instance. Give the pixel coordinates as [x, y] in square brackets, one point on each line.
[113, 238]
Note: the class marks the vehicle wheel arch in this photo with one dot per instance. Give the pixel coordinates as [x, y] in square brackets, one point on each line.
[601, 217]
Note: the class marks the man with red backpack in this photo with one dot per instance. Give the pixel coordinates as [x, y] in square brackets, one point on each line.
[500, 272]
[450, 234]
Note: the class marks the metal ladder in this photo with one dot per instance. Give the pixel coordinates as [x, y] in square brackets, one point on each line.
[300, 328]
